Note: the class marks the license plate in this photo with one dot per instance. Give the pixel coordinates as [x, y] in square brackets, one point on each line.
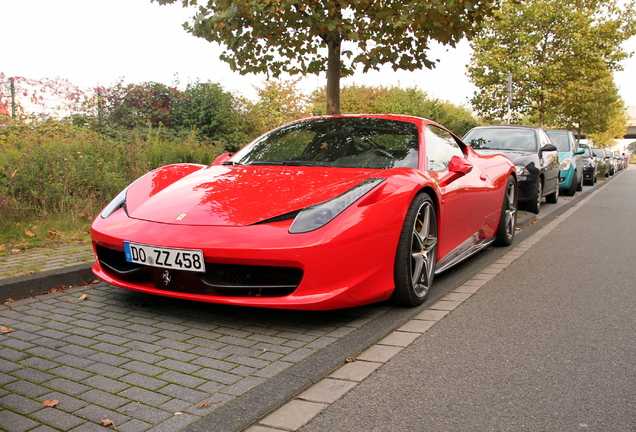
[177, 259]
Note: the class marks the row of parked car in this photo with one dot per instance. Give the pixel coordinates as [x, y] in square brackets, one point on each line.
[548, 162]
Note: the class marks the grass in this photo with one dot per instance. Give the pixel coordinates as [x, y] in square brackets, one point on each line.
[26, 234]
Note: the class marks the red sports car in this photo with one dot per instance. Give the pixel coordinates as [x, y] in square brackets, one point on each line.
[322, 213]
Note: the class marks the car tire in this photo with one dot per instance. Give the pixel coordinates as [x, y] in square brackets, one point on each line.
[595, 180]
[573, 186]
[553, 198]
[416, 256]
[535, 205]
[508, 217]
[579, 185]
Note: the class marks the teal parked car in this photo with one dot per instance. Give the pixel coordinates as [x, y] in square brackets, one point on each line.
[571, 159]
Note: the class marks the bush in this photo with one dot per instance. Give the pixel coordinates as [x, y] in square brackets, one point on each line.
[58, 168]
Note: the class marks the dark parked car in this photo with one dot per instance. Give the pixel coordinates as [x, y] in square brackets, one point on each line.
[602, 162]
[590, 166]
[571, 168]
[530, 149]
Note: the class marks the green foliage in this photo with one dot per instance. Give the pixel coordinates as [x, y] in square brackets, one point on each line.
[278, 102]
[146, 104]
[615, 129]
[397, 100]
[557, 52]
[215, 114]
[288, 36]
[58, 168]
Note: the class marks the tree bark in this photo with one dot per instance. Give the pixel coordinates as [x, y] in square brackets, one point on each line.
[333, 76]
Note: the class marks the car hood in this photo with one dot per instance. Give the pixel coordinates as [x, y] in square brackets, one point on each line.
[235, 195]
[522, 158]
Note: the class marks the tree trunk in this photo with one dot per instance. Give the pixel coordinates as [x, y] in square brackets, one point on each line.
[333, 76]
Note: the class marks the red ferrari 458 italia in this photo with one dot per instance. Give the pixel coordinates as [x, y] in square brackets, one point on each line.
[322, 213]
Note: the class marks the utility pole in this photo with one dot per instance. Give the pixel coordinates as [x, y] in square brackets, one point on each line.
[509, 96]
[12, 89]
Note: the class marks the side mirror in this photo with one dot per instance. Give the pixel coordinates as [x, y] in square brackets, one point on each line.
[457, 167]
[580, 151]
[219, 160]
[548, 147]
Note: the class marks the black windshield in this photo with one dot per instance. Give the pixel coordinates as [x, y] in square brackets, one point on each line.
[349, 142]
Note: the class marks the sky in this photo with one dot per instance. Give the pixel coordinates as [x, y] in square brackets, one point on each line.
[98, 42]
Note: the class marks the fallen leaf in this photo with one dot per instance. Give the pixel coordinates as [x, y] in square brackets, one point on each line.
[106, 422]
[13, 173]
[3, 247]
[50, 402]
[4, 329]
[29, 233]
[204, 405]
[350, 359]
[15, 250]
[83, 297]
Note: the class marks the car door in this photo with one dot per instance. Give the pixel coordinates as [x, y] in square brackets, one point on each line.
[460, 217]
[549, 164]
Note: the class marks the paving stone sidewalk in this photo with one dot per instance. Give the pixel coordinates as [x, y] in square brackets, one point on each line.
[145, 363]
[43, 259]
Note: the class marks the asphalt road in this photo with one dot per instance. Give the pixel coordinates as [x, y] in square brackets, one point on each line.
[547, 345]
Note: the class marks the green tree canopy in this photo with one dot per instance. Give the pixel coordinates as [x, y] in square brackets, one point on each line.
[216, 114]
[396, 100]
[551, 47]
[312, 36]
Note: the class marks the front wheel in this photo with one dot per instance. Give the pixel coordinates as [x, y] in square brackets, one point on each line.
[508, 218]
[535, 205]
[416, 254]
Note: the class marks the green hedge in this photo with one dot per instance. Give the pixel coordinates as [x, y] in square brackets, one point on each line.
[57, 168]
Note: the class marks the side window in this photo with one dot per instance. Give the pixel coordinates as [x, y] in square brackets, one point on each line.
[544, 139]
[575, 145]
[440, 148]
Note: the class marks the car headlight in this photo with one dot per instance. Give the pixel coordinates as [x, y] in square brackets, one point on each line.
[565, 164]
[522, 170]
[118, 202]
[314, 217]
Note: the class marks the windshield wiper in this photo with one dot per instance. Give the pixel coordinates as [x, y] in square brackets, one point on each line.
[228, 162]
[289, 163]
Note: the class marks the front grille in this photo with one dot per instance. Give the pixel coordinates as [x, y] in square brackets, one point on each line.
[226, 280]
[240, 276]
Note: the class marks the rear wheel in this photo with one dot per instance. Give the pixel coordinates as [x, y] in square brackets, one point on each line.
[579, 185]
[508, 218]
[553, 198]
[416, 254]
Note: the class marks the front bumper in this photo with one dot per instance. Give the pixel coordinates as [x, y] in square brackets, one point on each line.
[566, 178]
[337, 266]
